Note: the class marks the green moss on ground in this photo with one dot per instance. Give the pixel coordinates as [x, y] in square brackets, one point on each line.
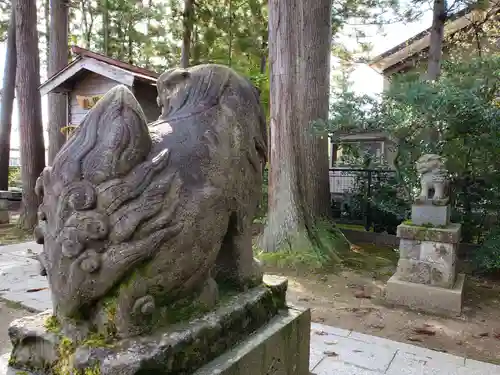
[11, 234]
[325, 251]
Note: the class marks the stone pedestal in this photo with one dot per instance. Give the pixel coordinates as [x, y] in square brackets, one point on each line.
[4, 207]
[281, 347]
[425, 213]
[426, 276]
[249, 333]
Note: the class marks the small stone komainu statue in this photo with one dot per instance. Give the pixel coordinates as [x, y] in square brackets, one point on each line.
[433, 176]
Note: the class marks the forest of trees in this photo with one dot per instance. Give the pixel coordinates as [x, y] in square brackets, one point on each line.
[283, 46]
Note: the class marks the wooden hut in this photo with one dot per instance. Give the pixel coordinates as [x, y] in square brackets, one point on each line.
[90, 75]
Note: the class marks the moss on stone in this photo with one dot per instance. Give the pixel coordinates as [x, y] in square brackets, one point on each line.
[95, 370]
[424, 225]
[98, 340]
[52, 324]
[64, 364]
[12, 361]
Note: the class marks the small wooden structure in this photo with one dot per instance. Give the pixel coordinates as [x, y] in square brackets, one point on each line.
[90, 75]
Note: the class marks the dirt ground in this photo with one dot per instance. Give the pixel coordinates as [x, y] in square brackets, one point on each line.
[8, 313]
[352, 300]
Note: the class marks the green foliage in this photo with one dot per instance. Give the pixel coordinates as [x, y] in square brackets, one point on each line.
[487, 257]
[263, 204]
[462, 108]
[14, 177]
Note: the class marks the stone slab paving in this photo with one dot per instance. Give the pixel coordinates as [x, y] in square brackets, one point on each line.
[20, 279]
[337, 352]
[334, 351]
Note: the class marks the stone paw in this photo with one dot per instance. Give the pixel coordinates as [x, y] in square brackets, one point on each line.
[144, 305]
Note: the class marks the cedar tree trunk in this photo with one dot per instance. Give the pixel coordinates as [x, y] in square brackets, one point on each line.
[436, 42]
[299, 50]
[7, 101]
[30, 114]
[188, 22]
[57, 60]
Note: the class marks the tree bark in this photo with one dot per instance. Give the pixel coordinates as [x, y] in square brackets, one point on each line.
[188, 22]
[436, 40]
[299, 50]
[58, 59]
[314, 98]
[105, 26]
[230, 36]
[46, 14]
[30, 114]
[7, 101]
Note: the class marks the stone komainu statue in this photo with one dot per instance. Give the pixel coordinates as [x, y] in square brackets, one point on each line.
[433, 175]
[140, 217]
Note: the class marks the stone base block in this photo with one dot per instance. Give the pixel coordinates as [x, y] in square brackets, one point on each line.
[430, 214]
[179, 349]
[281, 348]
[4, 217]
[450, 234]
[426, 298]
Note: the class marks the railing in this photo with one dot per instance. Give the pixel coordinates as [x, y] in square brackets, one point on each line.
[351, 190]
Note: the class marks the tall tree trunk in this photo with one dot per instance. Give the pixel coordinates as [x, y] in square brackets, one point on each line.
[299, 49]
[436, 42]
[194, 46]
[130, 43]
[30, 113]
[314, 96]
[230, 36]
[148, 28]
[188, 22]
[105, 25]
[58, 59]
[46, 15]
[7, 101]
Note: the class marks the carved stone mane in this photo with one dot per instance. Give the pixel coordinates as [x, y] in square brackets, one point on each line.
[135, 220]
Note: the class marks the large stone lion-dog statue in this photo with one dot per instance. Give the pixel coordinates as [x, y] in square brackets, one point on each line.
[143, 216]
[433, 175]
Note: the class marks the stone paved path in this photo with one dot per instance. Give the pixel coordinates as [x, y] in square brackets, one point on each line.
[333, 351]
[20, 279]
[337, 351]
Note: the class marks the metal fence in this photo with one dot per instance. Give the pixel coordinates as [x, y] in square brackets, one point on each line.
[351, 191]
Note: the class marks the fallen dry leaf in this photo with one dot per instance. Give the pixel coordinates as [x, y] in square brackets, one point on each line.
[357, 249]
[331, 342]
[303, 299]
[480, 335]
[35, 290]
[321, 333]
[330, 353]
[425, 331]
[377, 326]
[414, 338]
[362, 294]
